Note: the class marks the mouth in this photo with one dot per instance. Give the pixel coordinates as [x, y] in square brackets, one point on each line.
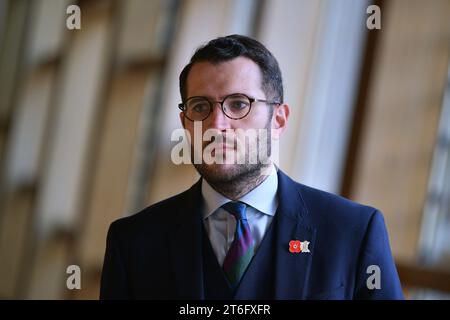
[221, 148]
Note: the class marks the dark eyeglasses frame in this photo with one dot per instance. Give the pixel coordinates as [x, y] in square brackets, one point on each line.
[182, 106]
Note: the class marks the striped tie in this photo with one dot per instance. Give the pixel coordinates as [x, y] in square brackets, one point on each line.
[242, 249]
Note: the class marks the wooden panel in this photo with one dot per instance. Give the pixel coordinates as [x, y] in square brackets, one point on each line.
[14, 239]
[62, 179]
[416, 277]
[46, 279]
[84, 72]
[10, 55]
[111, 173]
[143, 32]
[28, 128]
[47, 30]
[403, 108]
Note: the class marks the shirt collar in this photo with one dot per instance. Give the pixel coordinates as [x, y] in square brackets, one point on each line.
[263, 198]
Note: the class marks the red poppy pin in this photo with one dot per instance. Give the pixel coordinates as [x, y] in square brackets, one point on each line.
[297, 246]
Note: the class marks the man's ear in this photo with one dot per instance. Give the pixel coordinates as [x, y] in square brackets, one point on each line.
[182, 119]
[279, 121]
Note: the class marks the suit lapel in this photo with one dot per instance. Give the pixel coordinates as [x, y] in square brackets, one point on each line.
[185, 246]
[291, 269]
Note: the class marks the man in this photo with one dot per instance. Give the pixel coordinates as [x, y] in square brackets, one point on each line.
[245, 230]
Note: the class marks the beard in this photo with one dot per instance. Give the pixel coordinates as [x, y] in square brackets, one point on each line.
[232, 175]
[219, 174]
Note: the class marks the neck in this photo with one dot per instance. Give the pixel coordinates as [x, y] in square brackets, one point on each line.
[241, 185]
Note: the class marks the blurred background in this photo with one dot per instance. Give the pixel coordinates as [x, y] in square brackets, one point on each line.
[86, 117]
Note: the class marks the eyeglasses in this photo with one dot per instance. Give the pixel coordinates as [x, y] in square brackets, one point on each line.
[235, 106]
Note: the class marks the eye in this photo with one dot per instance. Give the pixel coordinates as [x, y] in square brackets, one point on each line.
[238, 103]
[199, 106]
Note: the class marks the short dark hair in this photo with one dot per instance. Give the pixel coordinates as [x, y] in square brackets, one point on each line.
[227, 48]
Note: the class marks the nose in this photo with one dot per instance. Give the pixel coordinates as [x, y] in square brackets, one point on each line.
[217, 119]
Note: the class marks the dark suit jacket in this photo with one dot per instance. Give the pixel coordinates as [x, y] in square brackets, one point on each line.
[156, 253]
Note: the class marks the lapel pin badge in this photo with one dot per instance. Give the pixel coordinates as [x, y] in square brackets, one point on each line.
[297, 246]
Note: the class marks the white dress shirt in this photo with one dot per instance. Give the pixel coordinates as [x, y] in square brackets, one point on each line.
[220, 225]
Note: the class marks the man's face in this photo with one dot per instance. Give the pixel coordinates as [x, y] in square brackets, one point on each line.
[215, 82]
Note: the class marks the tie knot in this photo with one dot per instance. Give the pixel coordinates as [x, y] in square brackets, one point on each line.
[237, 209]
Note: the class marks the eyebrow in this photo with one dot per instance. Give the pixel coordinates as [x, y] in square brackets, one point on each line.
[220, 97]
